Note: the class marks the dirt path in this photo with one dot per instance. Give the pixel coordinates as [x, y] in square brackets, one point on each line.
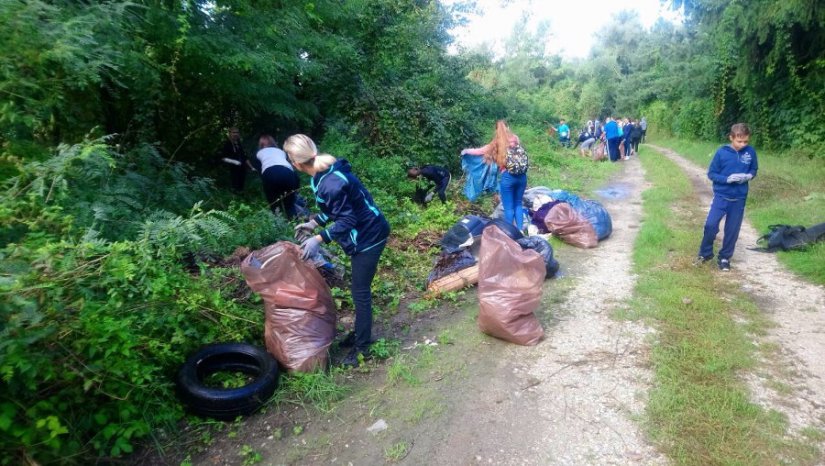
[572, 399]
[569, 400]
[795, 307]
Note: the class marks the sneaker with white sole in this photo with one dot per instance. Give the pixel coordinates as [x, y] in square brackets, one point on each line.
[724, 265]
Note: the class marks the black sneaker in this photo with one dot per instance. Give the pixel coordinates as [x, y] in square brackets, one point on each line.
[701, 260]
[348, 341]
[355, 357]
[724, 265]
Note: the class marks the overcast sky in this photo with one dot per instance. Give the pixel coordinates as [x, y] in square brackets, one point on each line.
[573, 24]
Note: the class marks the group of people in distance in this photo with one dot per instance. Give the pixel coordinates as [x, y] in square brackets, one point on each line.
[621, 137]
[350, 217]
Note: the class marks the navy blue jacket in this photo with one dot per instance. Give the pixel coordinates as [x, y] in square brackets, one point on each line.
[628, 131]
[726, 162]
[359, 225]
[436, 174]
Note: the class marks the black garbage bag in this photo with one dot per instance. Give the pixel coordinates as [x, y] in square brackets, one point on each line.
[462, 234]
[789, 238]
[448, 263]
[541, 246]
[508, 228]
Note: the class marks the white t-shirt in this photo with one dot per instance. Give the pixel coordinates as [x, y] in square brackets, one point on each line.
[271, 156]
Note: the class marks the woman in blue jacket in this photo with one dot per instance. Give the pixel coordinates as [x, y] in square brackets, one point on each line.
[349, 216]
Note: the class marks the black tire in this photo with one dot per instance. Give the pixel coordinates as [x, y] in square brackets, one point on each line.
[227, 404]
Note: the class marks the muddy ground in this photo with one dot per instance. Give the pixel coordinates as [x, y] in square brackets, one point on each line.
[456, 396]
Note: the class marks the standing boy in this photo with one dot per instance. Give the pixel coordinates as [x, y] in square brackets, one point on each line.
[233, 155]
[732, 167]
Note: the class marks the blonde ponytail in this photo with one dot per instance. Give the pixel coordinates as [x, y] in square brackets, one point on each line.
[323, 161]
[302, 150]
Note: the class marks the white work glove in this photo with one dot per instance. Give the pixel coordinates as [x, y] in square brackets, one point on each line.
[735, 178]
[231, 161]
[310, 246]
[304, 230]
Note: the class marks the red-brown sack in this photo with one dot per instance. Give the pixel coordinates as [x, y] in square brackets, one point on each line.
[563, 221]
[509, 289]
[300, 311]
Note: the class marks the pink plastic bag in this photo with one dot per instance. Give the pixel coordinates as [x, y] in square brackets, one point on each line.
[563, 221]
[509, 289]
[300, 311]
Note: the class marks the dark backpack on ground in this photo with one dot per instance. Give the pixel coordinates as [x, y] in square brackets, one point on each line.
[788, 238]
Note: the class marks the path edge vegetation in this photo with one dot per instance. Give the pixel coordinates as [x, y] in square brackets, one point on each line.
[699, 410]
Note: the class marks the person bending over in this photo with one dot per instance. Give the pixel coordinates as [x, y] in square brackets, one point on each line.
[349, 217]
[440, 176]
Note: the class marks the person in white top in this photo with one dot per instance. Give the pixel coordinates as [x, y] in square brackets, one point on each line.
[280, 182]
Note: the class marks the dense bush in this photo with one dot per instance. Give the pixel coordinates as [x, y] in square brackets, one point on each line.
[96, 315]
[695, 119]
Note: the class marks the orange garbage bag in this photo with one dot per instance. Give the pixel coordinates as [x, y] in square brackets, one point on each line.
[509, 289]
[300, 311]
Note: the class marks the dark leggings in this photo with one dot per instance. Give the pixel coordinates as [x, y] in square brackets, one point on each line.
[364, 266]
[634, 143]
[441, 188]
[613, 148]
[280, 186]
[238, 178]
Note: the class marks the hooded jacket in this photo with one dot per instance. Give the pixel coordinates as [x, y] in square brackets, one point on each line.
[358, 224]
[726, 162]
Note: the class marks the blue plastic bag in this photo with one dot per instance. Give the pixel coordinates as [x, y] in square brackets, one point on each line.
[597, 215]
[482, 178]
[593, 211]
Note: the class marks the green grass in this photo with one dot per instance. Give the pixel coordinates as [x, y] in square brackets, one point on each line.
[699, 411]
[789, 189]
[319, 389]
[396, 452]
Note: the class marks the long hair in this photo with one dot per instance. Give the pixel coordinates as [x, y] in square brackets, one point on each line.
[497, 148]
[302, 150]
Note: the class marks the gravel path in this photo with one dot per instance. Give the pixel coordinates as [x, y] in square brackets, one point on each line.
[594, 369]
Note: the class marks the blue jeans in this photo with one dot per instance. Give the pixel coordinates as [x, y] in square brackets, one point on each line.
[511, 190]
[364, 266]
[734, 211]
